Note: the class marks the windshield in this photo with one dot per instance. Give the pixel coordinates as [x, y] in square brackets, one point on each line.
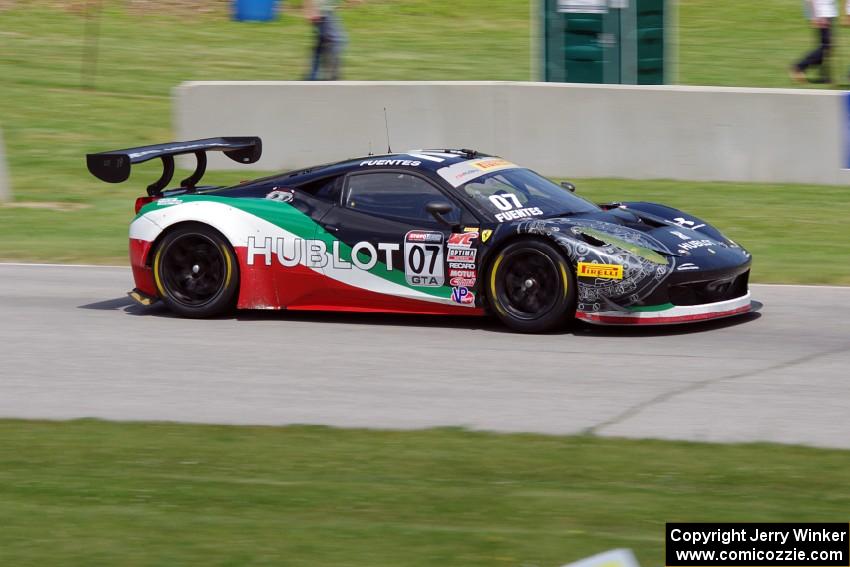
[512, 194]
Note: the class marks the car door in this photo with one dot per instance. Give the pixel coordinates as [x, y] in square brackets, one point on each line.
[392, 253]
[276, 268]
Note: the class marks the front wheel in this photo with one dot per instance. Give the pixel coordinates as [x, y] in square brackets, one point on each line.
[530, 287]
[196, 272]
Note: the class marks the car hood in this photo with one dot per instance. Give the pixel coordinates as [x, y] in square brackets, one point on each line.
[655, 240]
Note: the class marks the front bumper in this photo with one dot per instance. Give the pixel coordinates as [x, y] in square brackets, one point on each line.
[670, 314]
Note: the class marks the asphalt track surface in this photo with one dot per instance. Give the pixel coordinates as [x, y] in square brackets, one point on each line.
[72, 345]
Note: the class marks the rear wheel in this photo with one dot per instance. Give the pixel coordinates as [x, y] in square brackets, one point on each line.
[196, 272]
[530, 287]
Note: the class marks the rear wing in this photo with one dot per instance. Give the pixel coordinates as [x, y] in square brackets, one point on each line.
[114, 166]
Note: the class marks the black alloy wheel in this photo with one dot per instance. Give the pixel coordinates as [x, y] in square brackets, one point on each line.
[530, 286]
[196, 272]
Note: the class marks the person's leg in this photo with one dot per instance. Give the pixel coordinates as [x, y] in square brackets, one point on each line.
[336, 42]
[820, 55]
[826, 52]
[813, 57]
[319, 47]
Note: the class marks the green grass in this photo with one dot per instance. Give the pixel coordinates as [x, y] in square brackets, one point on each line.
[91, 493]
[49, 121]
[749, 43]
[719, 46]
[796, 233]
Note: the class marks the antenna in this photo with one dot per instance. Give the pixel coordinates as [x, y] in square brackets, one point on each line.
[370, 148]
[387, 125]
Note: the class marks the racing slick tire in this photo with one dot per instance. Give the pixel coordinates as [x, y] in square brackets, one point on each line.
[196, 272]
[530, 287]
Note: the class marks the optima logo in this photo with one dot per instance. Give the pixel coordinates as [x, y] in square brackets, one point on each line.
[606, 271]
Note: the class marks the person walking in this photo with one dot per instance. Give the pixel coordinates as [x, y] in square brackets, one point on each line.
[821, 14]
[329, 39]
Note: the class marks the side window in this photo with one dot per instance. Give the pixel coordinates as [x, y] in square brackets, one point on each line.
[397, 196]
[324, 189]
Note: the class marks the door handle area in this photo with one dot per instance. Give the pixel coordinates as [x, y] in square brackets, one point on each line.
[331, 228]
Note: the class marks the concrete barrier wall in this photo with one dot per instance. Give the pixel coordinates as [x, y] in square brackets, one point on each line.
[560, 130]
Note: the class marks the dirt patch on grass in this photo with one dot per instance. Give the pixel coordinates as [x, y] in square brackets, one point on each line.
[133, 6]
[46, 205]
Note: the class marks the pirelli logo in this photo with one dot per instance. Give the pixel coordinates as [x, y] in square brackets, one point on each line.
[606, 271]
[492, 163]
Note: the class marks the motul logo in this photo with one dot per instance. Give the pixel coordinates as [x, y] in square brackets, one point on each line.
[606, 271]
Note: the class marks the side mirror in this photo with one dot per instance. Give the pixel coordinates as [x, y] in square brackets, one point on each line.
[568, 186]
[438, 209]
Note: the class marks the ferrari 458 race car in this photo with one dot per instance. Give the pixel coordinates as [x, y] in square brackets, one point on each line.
[427, 231]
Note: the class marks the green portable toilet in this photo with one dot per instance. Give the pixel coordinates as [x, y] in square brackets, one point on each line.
[604, 41]
[649, 42]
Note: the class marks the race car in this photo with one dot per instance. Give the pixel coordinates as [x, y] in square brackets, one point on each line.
[435, 231]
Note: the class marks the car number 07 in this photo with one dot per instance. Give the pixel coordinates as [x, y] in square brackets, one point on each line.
[416, 257]
[502, 201]
[424, 264]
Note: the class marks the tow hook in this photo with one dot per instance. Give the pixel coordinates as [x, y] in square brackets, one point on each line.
[142, 298]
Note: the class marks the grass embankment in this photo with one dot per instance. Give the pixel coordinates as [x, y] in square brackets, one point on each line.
[796, 233]
[750, 44]
[92, 493]
[49, 121]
